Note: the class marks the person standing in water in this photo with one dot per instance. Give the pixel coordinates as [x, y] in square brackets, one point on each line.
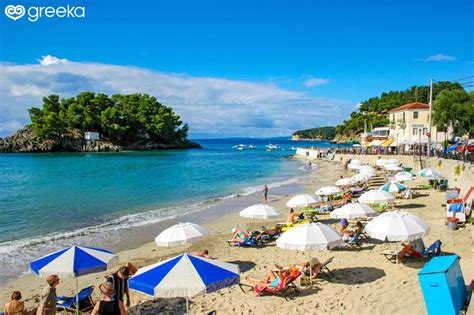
[265, 193]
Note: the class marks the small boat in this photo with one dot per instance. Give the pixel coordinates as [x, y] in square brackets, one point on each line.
[240, 148]
[269, 150]
[251, 147]
[272, 146]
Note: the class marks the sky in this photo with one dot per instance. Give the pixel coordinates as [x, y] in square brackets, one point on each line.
[233, 68]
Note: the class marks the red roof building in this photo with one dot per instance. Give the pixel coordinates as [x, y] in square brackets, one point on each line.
[411, 106]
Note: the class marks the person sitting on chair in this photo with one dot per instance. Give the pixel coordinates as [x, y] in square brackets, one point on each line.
[240, 236]
[293, 216]
[412, 248]
[344, 230]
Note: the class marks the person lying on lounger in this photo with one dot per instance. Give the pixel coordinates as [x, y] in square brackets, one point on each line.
[203, 253]
[273, 279]
[240, 236]
[309, 268]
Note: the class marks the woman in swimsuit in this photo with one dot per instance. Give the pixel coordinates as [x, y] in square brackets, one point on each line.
[272, 280]
[240, 236]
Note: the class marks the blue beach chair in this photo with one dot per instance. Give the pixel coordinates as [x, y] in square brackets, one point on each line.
[69, 304]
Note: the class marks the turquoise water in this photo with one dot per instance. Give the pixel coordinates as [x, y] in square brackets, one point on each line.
[51, 200]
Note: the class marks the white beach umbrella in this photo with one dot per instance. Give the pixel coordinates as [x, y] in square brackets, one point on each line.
[260, 211]
[403, 176]
[361, 177]
[376, 196]
[393, 168]
[345, 182]
[309, 236]
[301, 201]
[327, 191]
[367, 167]
[397, 226]
[180, 234]
[353, 166]
[381, 162]
[353, 211]
[393, 161]
[368, 172]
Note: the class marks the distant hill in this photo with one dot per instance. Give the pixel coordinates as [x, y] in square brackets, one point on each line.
[319, 133]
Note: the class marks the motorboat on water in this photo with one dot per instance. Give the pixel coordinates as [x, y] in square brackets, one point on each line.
[252, 147]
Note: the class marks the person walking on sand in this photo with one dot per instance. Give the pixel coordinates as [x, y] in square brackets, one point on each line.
[119, 281]
[48, 297]
[265, 193]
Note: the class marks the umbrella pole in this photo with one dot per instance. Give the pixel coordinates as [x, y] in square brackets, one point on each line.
[77, 297]
[187, 305]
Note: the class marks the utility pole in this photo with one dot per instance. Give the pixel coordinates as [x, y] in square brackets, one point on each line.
[429, 117]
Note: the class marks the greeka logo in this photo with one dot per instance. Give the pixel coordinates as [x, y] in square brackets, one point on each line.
[34, 13]
[15, 12]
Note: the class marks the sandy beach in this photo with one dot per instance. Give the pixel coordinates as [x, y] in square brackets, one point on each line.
[364, 283]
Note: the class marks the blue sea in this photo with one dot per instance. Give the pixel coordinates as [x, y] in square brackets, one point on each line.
[117, 200]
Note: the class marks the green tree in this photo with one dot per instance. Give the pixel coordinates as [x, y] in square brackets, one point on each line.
[455, 108]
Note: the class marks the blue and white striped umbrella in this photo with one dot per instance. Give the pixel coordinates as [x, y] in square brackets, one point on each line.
[393, 187]
[429, 172]
[184, 276]
[73, 262]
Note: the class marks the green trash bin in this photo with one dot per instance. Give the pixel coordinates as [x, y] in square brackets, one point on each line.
[408, 169]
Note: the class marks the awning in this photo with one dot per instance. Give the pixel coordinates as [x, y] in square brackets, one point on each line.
[375, 143]
[387, 143]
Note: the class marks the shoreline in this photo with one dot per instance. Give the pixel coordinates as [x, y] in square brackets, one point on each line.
[137, 228]
[362, 278]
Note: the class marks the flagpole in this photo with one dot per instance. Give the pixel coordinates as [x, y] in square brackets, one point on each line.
[429, 118]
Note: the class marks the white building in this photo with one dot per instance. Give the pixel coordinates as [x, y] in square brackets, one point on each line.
[92, 136]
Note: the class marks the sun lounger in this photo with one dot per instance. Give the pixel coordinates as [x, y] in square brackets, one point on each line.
[325, 269]
[286, 288]
[353, 242]
[69, 304]
[433, 250]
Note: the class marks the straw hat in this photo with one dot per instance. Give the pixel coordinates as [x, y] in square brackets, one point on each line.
[234, 230]
[313, 262]
[107, 288]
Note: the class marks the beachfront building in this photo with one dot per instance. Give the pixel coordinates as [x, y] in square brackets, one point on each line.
[377, 140]
[409, 127]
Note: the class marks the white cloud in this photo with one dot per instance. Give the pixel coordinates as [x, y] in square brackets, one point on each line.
[212, 107]
[439, 57]
[49, 60]
[315, 82]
